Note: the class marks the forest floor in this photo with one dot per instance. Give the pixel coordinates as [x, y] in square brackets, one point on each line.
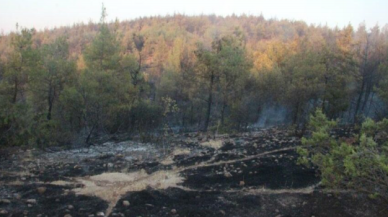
[248, 174]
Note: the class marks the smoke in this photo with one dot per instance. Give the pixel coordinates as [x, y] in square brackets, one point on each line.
[272, 116]
[374, 108]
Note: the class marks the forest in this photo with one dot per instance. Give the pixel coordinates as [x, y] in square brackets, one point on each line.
[70, 85]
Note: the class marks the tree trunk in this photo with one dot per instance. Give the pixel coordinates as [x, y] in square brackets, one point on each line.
[191, 114]
[363, 74]
[184, 118]
[295, 118]
[49, 110]
[50, 104]
[359, 100]
[15, 93]
[89, 135]
[325, 87]
[223, 113]
[209, 103]
[366, 98]
[370, 104]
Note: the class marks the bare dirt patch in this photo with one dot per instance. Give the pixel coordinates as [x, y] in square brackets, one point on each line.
[111, 186]
[216, 144]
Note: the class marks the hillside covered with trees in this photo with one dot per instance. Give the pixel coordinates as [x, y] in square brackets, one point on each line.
[72, 85]
[199, 115]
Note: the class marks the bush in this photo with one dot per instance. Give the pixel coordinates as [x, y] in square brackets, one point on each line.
[360, 166]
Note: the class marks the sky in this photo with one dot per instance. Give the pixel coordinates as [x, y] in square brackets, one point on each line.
[41, 14]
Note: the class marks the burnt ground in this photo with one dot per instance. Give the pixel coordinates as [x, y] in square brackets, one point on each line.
[249, 174]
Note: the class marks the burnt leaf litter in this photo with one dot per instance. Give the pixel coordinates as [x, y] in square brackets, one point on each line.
[247, 174]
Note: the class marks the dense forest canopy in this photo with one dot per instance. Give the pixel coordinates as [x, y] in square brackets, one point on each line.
[71, 85]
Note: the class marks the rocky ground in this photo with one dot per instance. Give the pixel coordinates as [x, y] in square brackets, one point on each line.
[249, 174]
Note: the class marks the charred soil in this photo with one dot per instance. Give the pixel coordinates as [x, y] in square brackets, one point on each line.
[249, 174]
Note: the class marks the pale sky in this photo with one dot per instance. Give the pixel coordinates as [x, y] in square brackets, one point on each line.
[42, 14]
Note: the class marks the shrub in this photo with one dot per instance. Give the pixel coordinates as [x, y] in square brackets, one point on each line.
[360, 166]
